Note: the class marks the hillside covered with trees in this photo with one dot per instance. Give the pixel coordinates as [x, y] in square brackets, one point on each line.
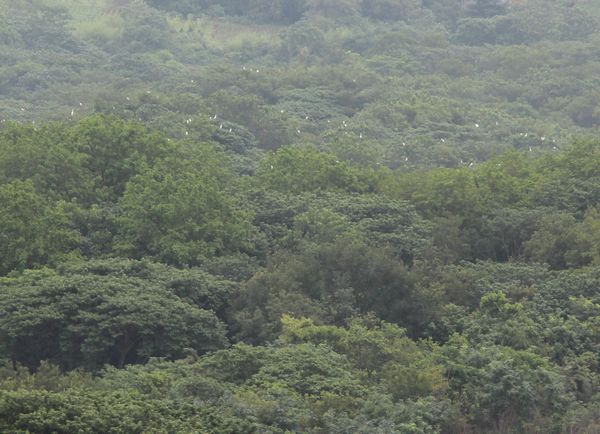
[300, 216]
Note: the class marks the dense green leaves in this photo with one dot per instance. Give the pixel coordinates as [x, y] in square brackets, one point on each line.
[180, 211]
[300, 169]
[316, 216]
[340, 245]
[102, 317]
[33, 231]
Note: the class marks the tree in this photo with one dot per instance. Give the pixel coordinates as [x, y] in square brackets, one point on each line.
[556, 243]
[500, 386]
[181, 212]
[113, 150]
[44, 156]
[388, 10]
[89, 320]
[302, 39]
[145, 30]
[293, 10]
[193, 285]
[380, 349]
[310, 369]
[33, 231]
[328, 283]
[295, 169]
[39, 25]
[333, 8]
[487, 8]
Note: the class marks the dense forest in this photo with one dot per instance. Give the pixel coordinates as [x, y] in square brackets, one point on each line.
[300, 216]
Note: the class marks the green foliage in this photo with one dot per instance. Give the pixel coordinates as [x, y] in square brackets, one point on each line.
[80, 408]
[486, 8]
[301, 41]
[388, 10]
[88, 320]
[381, 350]
[44, 157]
[504, 386]
[299, 169]
[180, 211]
[310, 370]
[556, 243]
[328, 283]
[91, 161]
[113, 151]
[33, 231]
[386, 206]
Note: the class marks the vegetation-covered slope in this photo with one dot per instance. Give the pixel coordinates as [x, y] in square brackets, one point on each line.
[299, 216]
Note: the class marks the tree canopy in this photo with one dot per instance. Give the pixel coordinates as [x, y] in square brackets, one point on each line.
[312, 216]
